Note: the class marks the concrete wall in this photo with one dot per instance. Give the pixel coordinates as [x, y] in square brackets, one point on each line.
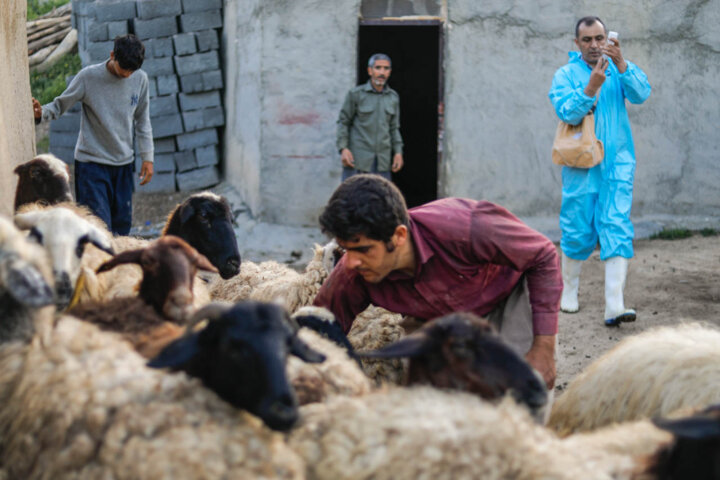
[17, 137]
[500, 58]
[289, 64]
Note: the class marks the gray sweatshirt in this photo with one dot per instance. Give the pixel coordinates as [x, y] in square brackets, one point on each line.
[112, 108]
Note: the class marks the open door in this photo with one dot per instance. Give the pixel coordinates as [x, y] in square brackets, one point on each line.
[415, 49]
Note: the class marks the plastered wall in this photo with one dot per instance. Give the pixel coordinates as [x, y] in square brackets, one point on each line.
[17, 134]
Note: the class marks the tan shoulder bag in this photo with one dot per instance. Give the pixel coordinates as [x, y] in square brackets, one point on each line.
[576, 145]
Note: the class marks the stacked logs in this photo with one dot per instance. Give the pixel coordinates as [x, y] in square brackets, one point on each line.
[50, 37]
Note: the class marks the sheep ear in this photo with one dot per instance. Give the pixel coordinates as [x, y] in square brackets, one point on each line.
[129, 256]
[25, 221]
[176, 354]
[24, 283]
[301, 350]
[697, 427]
[202, 263]
[20, 168]
[413, 345]
[100, 241]
[186, 211]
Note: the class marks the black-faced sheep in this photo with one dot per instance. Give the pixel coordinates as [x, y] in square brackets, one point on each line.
[204, 221]
[44, 179]
[460, 351]
[650, 374]
[165, 295]
[241, 355]
[64, 234]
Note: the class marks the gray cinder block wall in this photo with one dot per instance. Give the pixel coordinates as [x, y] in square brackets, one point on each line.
[182, 60]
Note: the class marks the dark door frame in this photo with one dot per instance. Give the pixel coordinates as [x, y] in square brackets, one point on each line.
[441, 80]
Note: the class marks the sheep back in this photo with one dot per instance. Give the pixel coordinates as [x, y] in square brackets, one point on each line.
[424, 433]
[650, 374]
[373, 329]
[337, 375]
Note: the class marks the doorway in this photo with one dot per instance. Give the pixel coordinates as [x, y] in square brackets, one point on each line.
[415, 49]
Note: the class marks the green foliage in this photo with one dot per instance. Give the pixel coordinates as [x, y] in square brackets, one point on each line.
[672, 234]
[37, 9]
[46, 86]
[708, 232]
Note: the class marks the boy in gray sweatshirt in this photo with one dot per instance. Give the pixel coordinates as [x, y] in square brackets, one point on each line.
[115, 106]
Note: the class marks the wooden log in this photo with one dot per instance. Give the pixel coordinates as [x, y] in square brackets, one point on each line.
[49, 40]
[41, 23]
[38, 57]
[47, 31]
[66, 46]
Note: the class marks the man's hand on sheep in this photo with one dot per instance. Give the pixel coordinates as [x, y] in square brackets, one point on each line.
[542, 357]
[146, 172]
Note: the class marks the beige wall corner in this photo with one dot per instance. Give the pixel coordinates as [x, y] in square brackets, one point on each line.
[17, 130]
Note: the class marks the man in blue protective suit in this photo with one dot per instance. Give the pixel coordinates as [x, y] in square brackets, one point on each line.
[596, 201]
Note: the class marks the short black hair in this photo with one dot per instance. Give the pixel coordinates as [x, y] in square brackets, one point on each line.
[587, 21]
[129, 52]
[365, 204]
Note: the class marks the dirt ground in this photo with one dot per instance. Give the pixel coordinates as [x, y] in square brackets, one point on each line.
[668, 282]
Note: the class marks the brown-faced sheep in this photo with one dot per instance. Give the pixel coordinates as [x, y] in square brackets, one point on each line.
[44, 179]
[165, 295]
[650, 374]
[203, 220]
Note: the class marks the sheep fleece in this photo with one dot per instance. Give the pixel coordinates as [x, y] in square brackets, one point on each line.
[423, 433]
[80, 403]
[650, 374]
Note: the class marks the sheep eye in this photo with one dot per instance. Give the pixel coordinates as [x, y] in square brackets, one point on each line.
[36, 235]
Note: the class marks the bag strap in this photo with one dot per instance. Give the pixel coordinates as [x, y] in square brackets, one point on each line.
[597, 97]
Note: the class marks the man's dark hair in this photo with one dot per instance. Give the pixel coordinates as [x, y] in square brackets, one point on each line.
[587, 21]
[129, 52]
[365, 205]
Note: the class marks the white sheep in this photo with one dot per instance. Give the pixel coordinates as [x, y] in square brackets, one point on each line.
[650, 374]
[64, 231]
[373, 329]
[271, 281]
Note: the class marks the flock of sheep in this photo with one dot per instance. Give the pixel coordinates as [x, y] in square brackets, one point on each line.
[122, 358]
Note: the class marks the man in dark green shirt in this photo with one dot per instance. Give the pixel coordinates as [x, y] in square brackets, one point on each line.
[368, 128]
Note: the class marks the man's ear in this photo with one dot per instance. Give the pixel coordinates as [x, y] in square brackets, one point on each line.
[400, 236]
[370, 71]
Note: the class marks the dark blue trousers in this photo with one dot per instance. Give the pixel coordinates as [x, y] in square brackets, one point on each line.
[107, 191]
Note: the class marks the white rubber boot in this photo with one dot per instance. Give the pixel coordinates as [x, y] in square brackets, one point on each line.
[571, 282]
[615, 311]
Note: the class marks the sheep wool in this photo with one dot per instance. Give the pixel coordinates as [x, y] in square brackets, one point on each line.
[337, 375]
[274, 282]
[79, 403]
[424, 433]
[373, 329]
[650, 374]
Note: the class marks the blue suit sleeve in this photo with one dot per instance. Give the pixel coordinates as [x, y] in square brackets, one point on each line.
[570, 102]
[635, 84]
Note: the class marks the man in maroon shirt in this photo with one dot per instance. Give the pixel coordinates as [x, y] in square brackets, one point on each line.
[449, 255]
